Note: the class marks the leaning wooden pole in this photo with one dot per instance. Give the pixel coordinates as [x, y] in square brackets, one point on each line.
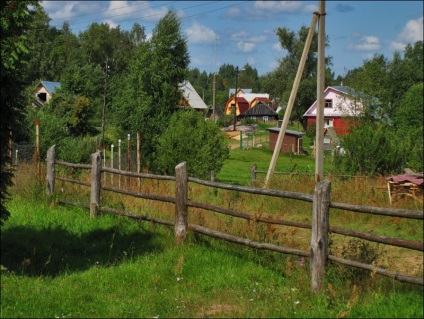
[291, 100]
[319, 136]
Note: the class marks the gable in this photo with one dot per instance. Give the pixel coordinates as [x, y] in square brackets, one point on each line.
[191, 97]
[239, 91]
[344, 102]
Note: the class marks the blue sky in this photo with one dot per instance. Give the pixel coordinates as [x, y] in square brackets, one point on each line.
[240, 32]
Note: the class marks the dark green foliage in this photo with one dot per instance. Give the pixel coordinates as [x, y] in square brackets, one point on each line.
[192, 139]
[372, 149]
[15, 21]
[150, 94]
[409, 122]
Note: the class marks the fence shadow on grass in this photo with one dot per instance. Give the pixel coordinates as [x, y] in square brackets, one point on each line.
[53, 251]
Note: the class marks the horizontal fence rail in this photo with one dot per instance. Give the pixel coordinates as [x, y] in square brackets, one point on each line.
[320, 215]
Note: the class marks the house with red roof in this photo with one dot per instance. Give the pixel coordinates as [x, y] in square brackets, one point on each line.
[242, 102]
[342, 104]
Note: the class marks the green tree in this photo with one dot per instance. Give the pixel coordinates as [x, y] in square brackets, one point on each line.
[15, 20]
[409, 123]
[372, 148]
[151, 93]
[279, 83]
[190, 138]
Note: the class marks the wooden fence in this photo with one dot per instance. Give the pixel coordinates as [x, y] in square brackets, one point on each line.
[321, 204]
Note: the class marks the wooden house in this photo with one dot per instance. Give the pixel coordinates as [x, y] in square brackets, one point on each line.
[241, 102]
[261, 112]
[342, 104]
[44, 91]
[292, 141]
[191, 99]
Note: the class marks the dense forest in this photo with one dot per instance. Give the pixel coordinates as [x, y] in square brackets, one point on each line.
[115, 82]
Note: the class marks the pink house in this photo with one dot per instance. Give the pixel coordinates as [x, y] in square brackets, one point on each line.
[341, 105]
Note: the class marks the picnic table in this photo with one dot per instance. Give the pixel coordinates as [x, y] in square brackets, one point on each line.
[409, 184]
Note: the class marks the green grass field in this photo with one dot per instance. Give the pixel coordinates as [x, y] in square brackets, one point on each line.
[56, 262]
[61, 264]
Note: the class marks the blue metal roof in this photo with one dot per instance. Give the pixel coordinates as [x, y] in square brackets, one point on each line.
[51, 86]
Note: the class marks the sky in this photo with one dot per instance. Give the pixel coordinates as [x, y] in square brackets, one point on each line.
[240, 32]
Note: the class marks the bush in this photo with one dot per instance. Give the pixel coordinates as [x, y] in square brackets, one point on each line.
[360, 251]
[190, 138]
[76, 150]
[372, 149]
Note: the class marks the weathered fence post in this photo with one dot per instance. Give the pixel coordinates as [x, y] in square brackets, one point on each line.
[254, 167]
[119, 162]
[181, 210]
[319, 237]
[111, 164]
[37, 147]
[128, 159]
[51, 158]
[96, 169]
[139, 156]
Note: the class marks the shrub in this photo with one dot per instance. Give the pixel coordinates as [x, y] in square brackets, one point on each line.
[372, 149]
[190, 138]
[360, 251]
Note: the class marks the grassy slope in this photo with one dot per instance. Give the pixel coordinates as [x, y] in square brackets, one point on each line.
[62, 264]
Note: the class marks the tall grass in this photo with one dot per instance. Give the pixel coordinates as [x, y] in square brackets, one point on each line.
[59, 263]
[62, 264]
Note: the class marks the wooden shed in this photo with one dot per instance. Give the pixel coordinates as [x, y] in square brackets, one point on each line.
[292, 142]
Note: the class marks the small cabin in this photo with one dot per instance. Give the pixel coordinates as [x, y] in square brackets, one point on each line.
[292, 142]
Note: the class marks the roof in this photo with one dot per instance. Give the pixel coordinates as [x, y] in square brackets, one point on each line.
[251, 96]
[288, 132]
[218, 111]
[344, 108]
[417, 179]
[232, 91]
[51, 86]
[192, 97]
[260, 109]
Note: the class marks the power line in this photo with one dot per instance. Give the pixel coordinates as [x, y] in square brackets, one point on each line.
[183, 18]
[96, 12]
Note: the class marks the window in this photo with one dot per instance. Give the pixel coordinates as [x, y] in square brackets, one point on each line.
[328, 103]
[328, 122]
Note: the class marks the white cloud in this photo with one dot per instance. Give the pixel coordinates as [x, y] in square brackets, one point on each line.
[310, 8]
[366, 43]
[412, 32]
[277, 47]
[198, 33]
[246, 47]
[122, 10]
[59, 10]
[278, 6]
[111, 23]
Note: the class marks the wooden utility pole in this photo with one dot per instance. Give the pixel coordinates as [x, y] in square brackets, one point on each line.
[102, 138]
[128, 159]
[291, 100]
[37, 147]
[214, 90]
[319, 152]
[235, 100]
[139, 156]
